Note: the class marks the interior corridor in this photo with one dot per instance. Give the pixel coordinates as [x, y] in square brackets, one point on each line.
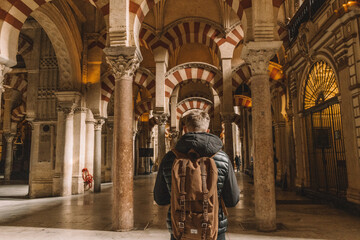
[88, 216]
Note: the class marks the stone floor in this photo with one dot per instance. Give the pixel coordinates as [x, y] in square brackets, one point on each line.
[89, 216]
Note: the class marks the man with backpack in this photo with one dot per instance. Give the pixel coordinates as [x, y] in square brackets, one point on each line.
[198, 179]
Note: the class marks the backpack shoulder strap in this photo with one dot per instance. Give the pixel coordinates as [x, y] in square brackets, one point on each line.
[178, 154]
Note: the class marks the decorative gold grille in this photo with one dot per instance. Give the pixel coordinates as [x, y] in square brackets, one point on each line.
[320, 85]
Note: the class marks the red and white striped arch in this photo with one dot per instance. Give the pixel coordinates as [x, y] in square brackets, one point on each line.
[19, 82]
[186, 31]
[241, 74]
[143, 107]
[13, 14]
[143, 78]
[193, 103]
[19, 113]
[206, 73]
[146, 79]
[100, 42]
[139, 11]
[103, 6]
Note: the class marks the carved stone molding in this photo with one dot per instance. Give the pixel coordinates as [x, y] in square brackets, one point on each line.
[98, 124]
[258, 55]
[3, 70]
[123, 61]
[60, 46]
[292, 85]
[161, 119]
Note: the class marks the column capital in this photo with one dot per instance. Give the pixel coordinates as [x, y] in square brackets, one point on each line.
[228, 117]
[161, 118]
[98, 124]
[174, 134]
[3, 70]
[67, 101]
[80, 110]
[9, 137]
[124, 61]
[258, 55]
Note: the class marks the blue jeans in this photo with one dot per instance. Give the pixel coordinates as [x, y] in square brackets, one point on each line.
[220, 237]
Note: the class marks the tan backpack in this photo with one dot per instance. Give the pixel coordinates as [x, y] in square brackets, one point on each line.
[194, 198]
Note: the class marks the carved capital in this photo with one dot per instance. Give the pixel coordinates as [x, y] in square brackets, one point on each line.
[258, 55]
[68, 111]
[80, 110]
[3, 70]
[228, 117]
[123, 61]
[98, 124]
[9, 137]
[161, 119]
[174, 134]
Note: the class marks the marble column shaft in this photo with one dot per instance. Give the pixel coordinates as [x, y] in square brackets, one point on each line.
[9, 156]
[124, 62]
[258, 54]
[68, 152]
[161, 120]
[265, 208]
[97, 155]
[228, 108]
[89, 148]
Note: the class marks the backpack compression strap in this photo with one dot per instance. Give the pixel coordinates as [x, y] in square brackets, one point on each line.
[182, 175]
[204, 225]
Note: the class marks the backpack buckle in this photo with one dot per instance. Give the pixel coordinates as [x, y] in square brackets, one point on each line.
[181, 225]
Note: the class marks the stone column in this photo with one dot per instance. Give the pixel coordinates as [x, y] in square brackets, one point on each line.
[174, 122]
[68, 152]
[227, 107]
[124, 63]
[174, 138]
[349, 110]
[161, 121]
[9, 156]
[229, 147]
[79, 134]
[217, 129]
[110, 150]
[34, 154]
[258, 54]
[3, 70]
[67, 101]
[97, 155]
[89, 147]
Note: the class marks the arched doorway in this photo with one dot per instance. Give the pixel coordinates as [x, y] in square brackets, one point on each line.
[324, 135]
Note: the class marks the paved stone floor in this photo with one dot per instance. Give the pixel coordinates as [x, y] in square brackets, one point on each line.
[89, 216]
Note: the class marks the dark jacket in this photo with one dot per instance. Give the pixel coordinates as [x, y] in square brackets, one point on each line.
[205, 144]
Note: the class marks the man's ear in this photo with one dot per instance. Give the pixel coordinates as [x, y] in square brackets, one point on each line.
[185, 129]
[208, 130]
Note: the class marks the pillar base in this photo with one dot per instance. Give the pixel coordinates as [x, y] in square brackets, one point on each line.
[56, 189]
[353, 195]
[77, 185]
[266, 226]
